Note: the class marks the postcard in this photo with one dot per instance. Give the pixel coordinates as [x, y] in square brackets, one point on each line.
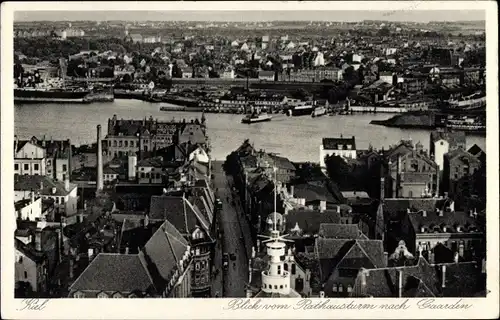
[253, 159]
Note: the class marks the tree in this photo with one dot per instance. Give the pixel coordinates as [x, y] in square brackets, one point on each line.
[338, 170]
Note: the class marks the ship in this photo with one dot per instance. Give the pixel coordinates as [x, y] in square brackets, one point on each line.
[300, 109]
[466, 123]
[50, 95]
[256, 117]
[318, 112]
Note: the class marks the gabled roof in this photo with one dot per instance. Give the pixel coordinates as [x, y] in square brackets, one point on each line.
[451, 220]
[309, 221]
[462, 154]
[422, 279]
[163, 252]
[29, 251]
[344, 253]
[314, 192]
[42, 184]
[179, 211]
[115, 272]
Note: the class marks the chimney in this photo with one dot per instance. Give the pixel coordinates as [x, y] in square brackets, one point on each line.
[54, 190]
[461, 250]
[126, 250]
[471, 214]
[338, 209]
[16, 142]
[443, 280]
[66, 183]
[90, 253]
[322, 206]
[292, 191]
[386, 258]
[99, 160]
[258, 245]
[400, 286]
[38, 240]
[424, 213]
[253, 252]
[431, 257]
[441, 213]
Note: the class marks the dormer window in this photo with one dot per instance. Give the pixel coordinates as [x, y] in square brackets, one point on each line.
[102, 295]
[78, 295]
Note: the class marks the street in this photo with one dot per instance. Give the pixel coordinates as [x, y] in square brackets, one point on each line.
[236, 277]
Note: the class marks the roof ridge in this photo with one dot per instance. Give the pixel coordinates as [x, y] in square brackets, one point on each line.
[169, 242]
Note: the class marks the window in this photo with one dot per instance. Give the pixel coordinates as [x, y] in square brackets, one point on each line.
[142, 174]
[102, 295]
[65, 167]
[279, 269]
[334, 288]
[25, 275]
[16, 166]
[341, 288]
[197, 266]
[120, 143]
[78, 295]
[275, 286]
[62, 200]
[26, 166]
[126, 143]
[281, 286]
[35, 166]
[349, 288]
[293, 268]
[285, 267]
[21, 259]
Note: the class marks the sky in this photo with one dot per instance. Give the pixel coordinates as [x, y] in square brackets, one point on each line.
[353, 15]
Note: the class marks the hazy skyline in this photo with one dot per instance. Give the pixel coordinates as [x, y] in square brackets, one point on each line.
[409, 14]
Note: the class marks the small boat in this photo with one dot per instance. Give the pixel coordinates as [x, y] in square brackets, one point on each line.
[256, 117]
[318, 112]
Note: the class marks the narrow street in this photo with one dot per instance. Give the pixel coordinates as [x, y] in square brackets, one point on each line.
[236, 277]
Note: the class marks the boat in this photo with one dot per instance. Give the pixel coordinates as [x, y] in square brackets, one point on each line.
[318, 112]
[466, 123]
[256, 117]
[300, 109]
[171, 107]
[50, 94]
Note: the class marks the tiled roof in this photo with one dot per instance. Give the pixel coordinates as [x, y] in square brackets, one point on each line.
[313, 192]
[422, 279]
[163, 252]
[451, 220]
[394, 207]
[352, 254]
[339, 143]
[156, 162]
[115, 272]
[42, 184]
[340, 231]
[462, 154]
[179, 211]
[309, 221]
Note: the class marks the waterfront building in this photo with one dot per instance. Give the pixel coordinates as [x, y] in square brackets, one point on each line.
[443, 234]
[266, 75]
[142, 136]
[458, 172]
[162, 269]
[29, 158]
[341, 147]
[51, 158]
[442, 142]
[411, 173]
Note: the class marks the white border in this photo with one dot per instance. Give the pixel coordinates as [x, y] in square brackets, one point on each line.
[217, 308]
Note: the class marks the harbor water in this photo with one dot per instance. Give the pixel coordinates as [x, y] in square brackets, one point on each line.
[297, 138]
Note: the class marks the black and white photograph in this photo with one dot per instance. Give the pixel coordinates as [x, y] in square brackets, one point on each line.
[224, 156]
